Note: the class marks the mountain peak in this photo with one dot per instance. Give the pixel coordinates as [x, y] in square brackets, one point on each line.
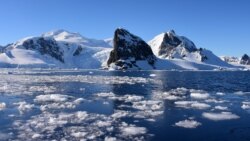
[245, 60]
[64, 35]
[171, 33]
[75, 38]
[129, 48]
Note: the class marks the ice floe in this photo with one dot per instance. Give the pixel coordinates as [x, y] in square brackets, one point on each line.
[174, 94]
[24, 106]
[245, 105]
[241, 93]
[199, 95]
[52, 98]
[192, 104]
[188, 124]
[220, 116]
[152, 75]
[128, 130]
[221, 108]
[2, 106]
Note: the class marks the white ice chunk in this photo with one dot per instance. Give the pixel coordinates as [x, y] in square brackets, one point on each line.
[199, 95]
[221, 108]
[198, 105]
[133, 130]
[110, 139]
[2, 106]
[152, 75]
[52, 98]
[192, 104]
[24, 106]
[220, 93]
[241, 93]
[245, 105]
[188, 124]
[220, 116]
[79, 134]
[105, 94]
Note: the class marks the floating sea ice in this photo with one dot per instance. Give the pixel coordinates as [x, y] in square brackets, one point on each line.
[179, 91]
[184, 104]
[62, 105]
[198, 105]
[148, 105]
[166, 96]
[52, 98]
[220, 93]
[2, 106]
[24, 106]
[199, 95]
[152, 75]
[110, 139]
[215, 101]
[245, 105]
[188, 124]
[132, 130]
[107, 95]
[119, 114]
[79, 134]
[220, 108]
[220, 116]
[132, 98]
[192, 104]
[241, 93]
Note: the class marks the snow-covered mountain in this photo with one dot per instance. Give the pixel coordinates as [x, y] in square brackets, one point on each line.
[181, 50]
[244, 60]
[130, 51]
[63, 49]
[230, 59]
[56, 49]
[109, 41]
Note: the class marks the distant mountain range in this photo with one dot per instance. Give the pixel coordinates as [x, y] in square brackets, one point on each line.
[244, 60]
[63, 49]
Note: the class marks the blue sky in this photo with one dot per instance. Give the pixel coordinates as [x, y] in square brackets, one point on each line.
[222, 26]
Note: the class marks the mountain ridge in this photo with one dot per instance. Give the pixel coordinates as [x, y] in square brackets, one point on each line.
[64, 49]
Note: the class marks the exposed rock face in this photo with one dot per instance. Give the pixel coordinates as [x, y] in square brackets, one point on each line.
[245, 60]
[1, 49]
[169, 45]
[78, 51]
[171, 41]
[128, 49]
[45, 46]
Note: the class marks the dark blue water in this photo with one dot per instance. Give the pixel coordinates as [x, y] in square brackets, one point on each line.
[230, 89]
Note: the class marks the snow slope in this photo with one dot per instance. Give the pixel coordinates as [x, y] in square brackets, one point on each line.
[59, 48]
[181, 51]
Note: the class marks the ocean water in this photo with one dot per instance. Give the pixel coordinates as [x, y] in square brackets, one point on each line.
[132, 105]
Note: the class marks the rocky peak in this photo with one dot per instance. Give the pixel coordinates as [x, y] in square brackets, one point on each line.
[129, 48]
[245, 60]
[170, 45]
[1, 49]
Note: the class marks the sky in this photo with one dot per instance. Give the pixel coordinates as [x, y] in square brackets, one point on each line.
[222, 26]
